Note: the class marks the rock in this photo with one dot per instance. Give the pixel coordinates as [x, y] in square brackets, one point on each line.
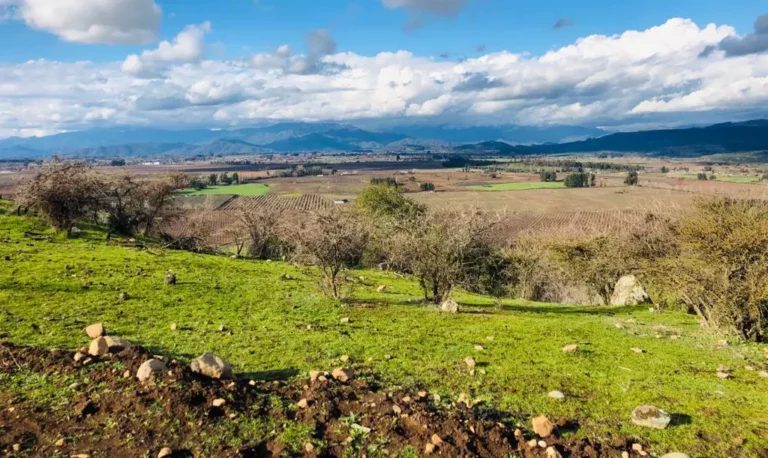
[149, 368]
[345, 320]
[723, 375]
[212, 366]
[98, 347]
[95, 330]
[124, 296]
[344, 358]
[302, 404]
[542, 426]
[116, 343]
[542, 444]
[675, 455]
[570, 348]
[557, 395]
[165, 452]
[218, 402]
[624, 454]
[532, 443]
[637, 350]
[16, 447]
[722, 343]
[174, 326]
[429, 449]
[479, 348]
[436, 440]
[763, 374]
[553, 453]
[637, 447]
[309, 448]
[170, 278]
[342, 374]
[651, 417]
[628, 291]
[314, 375]
[79, 357]
[382, 288]
[60, 442]
[449, 306]
[470, 362]
[397, 409]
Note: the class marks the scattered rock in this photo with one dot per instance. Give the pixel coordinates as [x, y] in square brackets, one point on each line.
[342, 374]
[570, 348]
[542, 444]
[174, 326]
[637, 350]
[542, 426]
[60, 442]
[218, 402]
[170, 278]
[309, 448]
[98, 347]
[302, 404]
[79, 357]
[345, 320]
[165, 452]
[360, 428]
[382, 288]
[212, 366]
[222, 328]
[95, 330]
[149, 368]
[532, 443]
[557, 395]
[723, 375]
[397, 409]
[628, 292]
[637, 447]
[449, 306]
[763, 374]
[722, 343]
[124, 296]
[116, 343]
[624, 454]
[314, 375]
[429, 449]
[553, 453]
[470, 362]
[651, 417]
[436, 440]
[479, 348]
[344, 358]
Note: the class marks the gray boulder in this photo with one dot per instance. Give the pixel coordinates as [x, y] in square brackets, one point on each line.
[629, 291]
[212, 366]
[149, 368]
[651, 417]
[449, 306]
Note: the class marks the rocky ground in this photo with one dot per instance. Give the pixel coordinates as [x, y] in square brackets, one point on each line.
[121, 405]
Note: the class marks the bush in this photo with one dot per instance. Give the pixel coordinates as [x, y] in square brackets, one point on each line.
[632, 179]
[425, 187]
[701, 176]
[578, 180]
[548, 176]
[386, 201]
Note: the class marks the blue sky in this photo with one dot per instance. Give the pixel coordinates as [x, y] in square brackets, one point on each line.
[620, 65]
[367, 27]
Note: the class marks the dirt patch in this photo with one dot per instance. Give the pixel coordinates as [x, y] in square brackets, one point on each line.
[99, 408]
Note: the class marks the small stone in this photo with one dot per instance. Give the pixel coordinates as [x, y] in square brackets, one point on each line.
[314, 375]
[533, 443]
[406, 399]
[222, 328]
[124, 296]
[436, 440]
[479, 348]
[79, 357]
[309, 448]
[553, 453]
[81, 455]
[556, 395]
[429, 449]
[16, 447]
[252, 382]
[165, 452]
[95, 330]
[149, 368]
[98, 347]
[342, 374]
[470, 362]
[302, 404]
[322, 378]
[651, 417]
[722, 343]
[625, 454]
[542, 426]
[218, 402]
[127, 374]
[489, 338]
[174, 326]
[212, 366]
[542, 444]
[358, 427]
[637, 447]
[116, 343]
[449, 306]
[518, 434]
[637, 350]
[345, 320]
[723, 375]
[763, 374]
[170, 278]
[60, 442]
[382, 288]
[570, 348]
[344, 358]
[397, 409]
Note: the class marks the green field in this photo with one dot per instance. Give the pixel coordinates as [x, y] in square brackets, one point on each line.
[728, 179]
[248, 189]
[520, 186]
[50, 288]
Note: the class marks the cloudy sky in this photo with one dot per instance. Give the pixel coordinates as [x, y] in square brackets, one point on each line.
[77, 64]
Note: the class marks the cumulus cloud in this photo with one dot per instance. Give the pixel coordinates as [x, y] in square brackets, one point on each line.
[751, 43]
[90, 21]
[640, 77]
[436, 7]
[188, 46]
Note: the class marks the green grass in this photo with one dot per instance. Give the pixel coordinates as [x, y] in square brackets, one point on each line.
[520, 186]
[248, 189]
[729, 179]
[51, 289]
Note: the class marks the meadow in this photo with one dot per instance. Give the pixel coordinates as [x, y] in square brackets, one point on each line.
[277, 325]
[518, 186]
[247, 189]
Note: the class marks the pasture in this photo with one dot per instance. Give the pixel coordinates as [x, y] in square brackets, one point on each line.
[518, 186]
[247, 189]
[272, 313]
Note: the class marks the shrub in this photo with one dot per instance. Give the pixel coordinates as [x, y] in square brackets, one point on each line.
[701, 176]
[387, 181]
[632, 179]
[424, 187]
[548, 176]
[386, 201]
[578, 180]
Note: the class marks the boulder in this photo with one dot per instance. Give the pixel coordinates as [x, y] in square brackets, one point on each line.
[382, 289]
[449, 306]
[629, 291]
[116, 343]
[149, 368]
[570, 348]
[553, 453]
[651, 417]
[342, 375]
[165, 452]
[542, 426]
[470, 362]
[95, 330]
[170, 278]
[98, 347]
[556, 395]
[212, 366]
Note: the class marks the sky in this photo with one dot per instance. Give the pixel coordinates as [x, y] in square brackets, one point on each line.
[78, 64]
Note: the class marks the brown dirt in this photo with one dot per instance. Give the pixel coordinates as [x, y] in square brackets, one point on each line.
[111, 415]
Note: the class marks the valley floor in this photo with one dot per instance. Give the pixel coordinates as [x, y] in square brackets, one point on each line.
[278, 325]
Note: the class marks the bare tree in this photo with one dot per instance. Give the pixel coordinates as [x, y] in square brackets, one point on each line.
[62, 194]
[333, 240]
[260, 228]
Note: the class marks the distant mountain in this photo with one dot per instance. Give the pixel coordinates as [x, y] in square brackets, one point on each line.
[512, 134]
[691, 142]
[311, 142]
[492, 146]
[223, 147]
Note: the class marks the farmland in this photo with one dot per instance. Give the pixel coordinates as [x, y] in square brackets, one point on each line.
[519, 186]
[249, 189]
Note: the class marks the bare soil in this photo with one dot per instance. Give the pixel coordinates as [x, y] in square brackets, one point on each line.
[112, 414]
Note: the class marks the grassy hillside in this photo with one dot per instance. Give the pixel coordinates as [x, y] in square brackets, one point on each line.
[277, 324]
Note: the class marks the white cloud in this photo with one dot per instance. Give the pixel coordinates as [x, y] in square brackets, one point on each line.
[649, 77]
[91, 21]
[188, 46]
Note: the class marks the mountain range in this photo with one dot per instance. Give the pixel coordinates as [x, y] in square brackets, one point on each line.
[289, 137]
